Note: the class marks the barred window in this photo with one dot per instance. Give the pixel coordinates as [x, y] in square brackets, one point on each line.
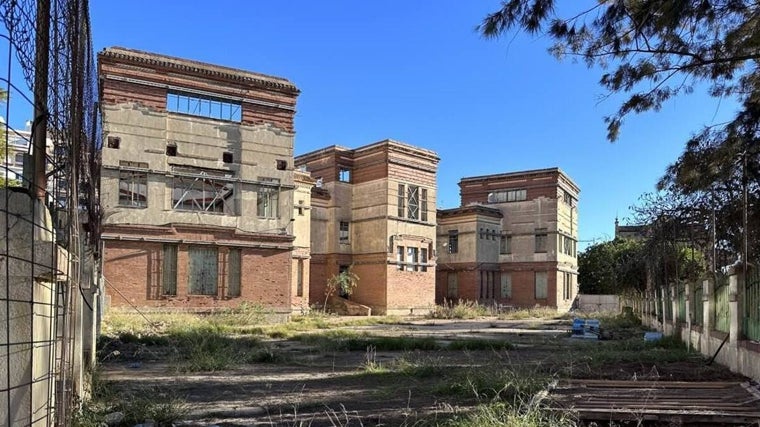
[133, 184]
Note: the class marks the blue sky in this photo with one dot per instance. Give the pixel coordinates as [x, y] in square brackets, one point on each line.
[418, 72]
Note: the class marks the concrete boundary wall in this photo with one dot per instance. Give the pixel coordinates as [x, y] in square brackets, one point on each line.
[598, 302]
[737, 353]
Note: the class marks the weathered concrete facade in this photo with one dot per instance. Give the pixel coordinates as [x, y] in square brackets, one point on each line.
[513, 241]
[373, 208]
[198, 185]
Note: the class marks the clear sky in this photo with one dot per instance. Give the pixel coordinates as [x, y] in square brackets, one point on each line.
[418, 72]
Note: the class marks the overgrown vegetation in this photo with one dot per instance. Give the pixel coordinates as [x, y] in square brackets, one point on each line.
[496, 382]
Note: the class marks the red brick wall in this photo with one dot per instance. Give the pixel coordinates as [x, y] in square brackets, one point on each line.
[322, 267]
[410, 289]
[116, 92]
[536, 185]
[523, 283]
[136, 270]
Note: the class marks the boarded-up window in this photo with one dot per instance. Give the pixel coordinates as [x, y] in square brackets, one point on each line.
[170, 270]
[202, 271]
[452, 290]
[299, 278]
[505, 246]
[506, 285]
[541, 285]
[233, 273]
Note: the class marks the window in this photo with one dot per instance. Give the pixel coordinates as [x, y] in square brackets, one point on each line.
[113, 142]
[169, 282]
[411, 258]
[343, 233]
[453, 241]
[541, 285]
[412, 202]
[133, 184]
[227, 157]
[507, 196]
[281, 165]
[299, 278]
[567, 288]
[540, 240]
[400, 258]
[196, 189]
[202, 271]
[344, 175]
[171, 150]
[423, 259]
[401, 200]
[506, 285]
[487, 284]
[423, 205]
[481, 233]
[567, 198]
[268, 198]
[568, 248]
[452, 289]
[505, 245]
[203, 106]
[233, 273]
[19, 159]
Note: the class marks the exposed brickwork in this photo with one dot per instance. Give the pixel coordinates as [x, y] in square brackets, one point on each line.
[163, 71]
[134, 271]
[542, 183]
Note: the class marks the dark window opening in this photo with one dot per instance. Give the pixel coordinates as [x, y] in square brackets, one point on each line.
[203, 106]
[114, 142]
[171, 150]
[227, 157]
[133, 184]
[453, 241]
[281, 165]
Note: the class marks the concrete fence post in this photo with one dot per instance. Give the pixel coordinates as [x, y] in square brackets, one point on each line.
[687, 292]
[707, 313]
[674, 306]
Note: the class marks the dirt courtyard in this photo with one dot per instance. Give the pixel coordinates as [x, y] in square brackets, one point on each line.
[414, 372]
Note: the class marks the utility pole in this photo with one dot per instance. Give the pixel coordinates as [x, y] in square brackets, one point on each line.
[39, 131]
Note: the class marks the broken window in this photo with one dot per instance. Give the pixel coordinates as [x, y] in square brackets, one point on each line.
[202, 271]
[507, 196]
[268, 198]
[227, 157]
[233, 273]
[203, 190]
[412, 202]
[171, 150]
[169, 285]
[133, 184]
[203, 106]
[453, 241]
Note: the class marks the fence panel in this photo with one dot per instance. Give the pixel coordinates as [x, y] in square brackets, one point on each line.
[698, 304]
[681, 299]
[721, 317]
[752, 305]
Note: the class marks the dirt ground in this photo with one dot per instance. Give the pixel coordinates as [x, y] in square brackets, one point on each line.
[307, 385]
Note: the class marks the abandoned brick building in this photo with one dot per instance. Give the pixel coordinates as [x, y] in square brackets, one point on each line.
[373, 207]
[512, 242]
[202, 206]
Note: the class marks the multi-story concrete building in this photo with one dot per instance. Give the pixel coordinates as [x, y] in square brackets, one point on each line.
[513, 241]
[373, 207]
[200, 198]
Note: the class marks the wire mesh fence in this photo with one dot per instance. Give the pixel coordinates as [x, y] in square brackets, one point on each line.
[48, 208]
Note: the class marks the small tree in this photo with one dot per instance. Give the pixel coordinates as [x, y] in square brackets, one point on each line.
[345, 282]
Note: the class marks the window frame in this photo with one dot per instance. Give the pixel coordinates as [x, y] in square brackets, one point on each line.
[344, 233]
[268, 198]
[541, 240]
[134, 175]
[169, 270]
[453, 243]
[544, 290]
